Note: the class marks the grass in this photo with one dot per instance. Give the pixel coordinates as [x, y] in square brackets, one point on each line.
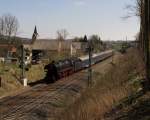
[118, 82]
[138, 105]
[11, 73]
[36, 72]
[108, 89]
[9, 77]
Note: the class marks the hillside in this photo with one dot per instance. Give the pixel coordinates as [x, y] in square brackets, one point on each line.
[137, 107]
[122, 79]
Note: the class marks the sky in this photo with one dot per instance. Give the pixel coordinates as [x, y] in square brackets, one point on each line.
[78, 17]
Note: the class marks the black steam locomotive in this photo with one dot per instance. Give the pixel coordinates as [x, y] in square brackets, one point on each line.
[63, 68]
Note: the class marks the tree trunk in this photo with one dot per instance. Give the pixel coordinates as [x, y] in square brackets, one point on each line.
[146, 29]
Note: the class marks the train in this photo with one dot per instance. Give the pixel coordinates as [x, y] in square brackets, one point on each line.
[67, 67]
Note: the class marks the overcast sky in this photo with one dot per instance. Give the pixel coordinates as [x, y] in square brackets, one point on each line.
[78, 17]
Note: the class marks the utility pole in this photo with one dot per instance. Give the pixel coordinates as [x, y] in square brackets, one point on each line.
[89, 49]
[146, 37]
[90, 62]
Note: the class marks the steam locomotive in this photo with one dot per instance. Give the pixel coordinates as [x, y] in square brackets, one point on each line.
[69, 66]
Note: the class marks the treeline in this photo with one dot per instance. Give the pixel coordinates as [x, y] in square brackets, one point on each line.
[8, 25]
[94, 40]
[8, 29]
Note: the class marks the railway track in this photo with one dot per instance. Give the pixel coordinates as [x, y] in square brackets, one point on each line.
[23, 106]
[44, 101]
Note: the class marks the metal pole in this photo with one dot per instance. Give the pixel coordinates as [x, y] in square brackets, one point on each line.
[90, 62]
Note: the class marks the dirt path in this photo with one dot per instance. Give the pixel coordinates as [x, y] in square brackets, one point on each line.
[47, 101]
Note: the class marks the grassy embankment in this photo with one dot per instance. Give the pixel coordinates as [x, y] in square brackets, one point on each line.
[135, 107]
[121, 80]
[11, 73]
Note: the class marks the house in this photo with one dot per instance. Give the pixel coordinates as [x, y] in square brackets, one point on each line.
[44, 46]
[7, 50]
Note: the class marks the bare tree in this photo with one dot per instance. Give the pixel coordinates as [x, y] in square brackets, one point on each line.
[134, 10]
[62, 34]
[137, 10]
[8, 25]
[96, 42]
[1, 26]
[142, 9]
